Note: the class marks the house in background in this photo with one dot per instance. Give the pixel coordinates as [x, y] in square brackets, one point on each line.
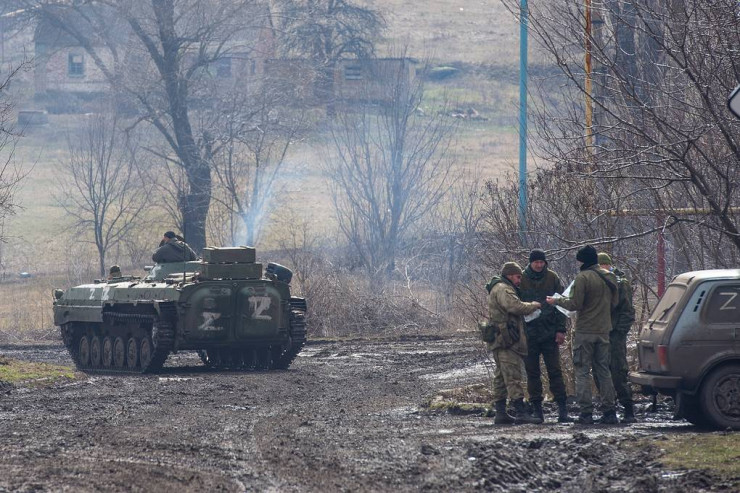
[65, 77]
[353, 80]
[371, 80]
[68, 80]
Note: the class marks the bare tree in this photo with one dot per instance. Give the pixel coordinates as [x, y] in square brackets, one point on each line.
[325, 31]
[103, 191]
[11, 173]
[171, 46]
[662, 152]
[390, 168]
[258, 133]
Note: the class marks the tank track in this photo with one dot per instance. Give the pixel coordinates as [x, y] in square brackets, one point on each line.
[297, 341]
[144, 351]
[262, 357]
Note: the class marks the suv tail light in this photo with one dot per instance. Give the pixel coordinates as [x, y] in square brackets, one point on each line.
[663, 357]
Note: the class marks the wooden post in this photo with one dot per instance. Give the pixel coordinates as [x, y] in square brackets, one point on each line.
[660, 271]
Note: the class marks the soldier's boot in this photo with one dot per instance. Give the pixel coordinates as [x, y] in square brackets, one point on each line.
[503, 417]
[610, 418]
[537, 411]
[563, 413]
[523, 415]
[629, 414]
[585, 419]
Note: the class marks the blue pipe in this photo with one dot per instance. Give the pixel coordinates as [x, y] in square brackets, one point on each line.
[523, 34]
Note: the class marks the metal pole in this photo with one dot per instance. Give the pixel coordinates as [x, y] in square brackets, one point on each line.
[588, 70]
[660, 274]
[523, 33]
[2, 41]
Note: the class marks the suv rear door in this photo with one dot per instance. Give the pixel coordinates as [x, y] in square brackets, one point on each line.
[655, 332]
[706, 331]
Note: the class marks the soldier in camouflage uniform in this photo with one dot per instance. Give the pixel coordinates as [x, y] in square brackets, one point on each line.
[623, 316]
[114, 272]
[544, 334]
[593, 295]
[505, 314]
[173, 248]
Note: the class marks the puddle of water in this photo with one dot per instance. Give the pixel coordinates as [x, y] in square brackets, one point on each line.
[236, 408]
[423, 351]
[366, 355]
[476, 370]
[672, 474]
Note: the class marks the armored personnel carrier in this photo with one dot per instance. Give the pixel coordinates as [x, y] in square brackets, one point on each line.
[222, 306]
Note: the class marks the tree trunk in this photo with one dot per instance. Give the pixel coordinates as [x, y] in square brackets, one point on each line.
[101, 257]
[195, 203]
[194, 206]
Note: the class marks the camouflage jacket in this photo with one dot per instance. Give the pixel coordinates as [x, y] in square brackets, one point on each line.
[506, 311]
[593, 295]
[174, 251]
[623, 315]
[536, 286]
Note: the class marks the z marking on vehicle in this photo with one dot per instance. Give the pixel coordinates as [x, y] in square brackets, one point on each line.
[732, 297]
[208, 319]
[259, 305]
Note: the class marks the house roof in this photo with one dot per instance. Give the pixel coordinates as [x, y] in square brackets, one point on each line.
[96, 23]
[102, 25]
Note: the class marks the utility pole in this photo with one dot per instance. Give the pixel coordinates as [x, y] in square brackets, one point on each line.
[2, 41]
[587, 86]
[523, 34]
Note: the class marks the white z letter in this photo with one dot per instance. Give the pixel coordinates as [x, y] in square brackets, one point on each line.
[732, 297]
[259, 305]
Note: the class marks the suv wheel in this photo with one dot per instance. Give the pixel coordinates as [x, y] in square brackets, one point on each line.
[720, 397]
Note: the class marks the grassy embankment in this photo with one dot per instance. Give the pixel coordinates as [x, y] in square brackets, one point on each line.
[24, 373]
[717, 452]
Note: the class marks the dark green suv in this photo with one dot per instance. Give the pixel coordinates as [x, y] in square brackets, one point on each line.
[690, 347]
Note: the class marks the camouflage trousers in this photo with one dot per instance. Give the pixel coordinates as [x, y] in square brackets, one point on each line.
[508, 380]
[618, 367]
[551, 355]
[592, 351]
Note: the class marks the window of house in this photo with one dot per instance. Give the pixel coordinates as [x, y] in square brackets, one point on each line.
[352, 72]
[76, 65]
[223, 68]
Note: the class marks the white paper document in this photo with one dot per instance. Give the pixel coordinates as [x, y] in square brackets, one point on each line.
[533, 315]
[565, 294]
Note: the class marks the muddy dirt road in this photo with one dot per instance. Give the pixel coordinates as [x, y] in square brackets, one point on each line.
[347, 416]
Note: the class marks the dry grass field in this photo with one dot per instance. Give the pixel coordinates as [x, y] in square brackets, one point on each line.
[480, 38]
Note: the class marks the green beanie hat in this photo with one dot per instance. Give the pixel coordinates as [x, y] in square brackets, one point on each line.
[510, 268]
[604, 259]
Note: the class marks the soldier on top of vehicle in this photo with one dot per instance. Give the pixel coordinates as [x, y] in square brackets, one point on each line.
[173, 248]
[114, 272]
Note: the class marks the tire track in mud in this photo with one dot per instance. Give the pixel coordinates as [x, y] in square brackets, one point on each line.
[346, 416]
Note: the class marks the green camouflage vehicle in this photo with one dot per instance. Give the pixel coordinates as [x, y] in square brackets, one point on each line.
[223, 307]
